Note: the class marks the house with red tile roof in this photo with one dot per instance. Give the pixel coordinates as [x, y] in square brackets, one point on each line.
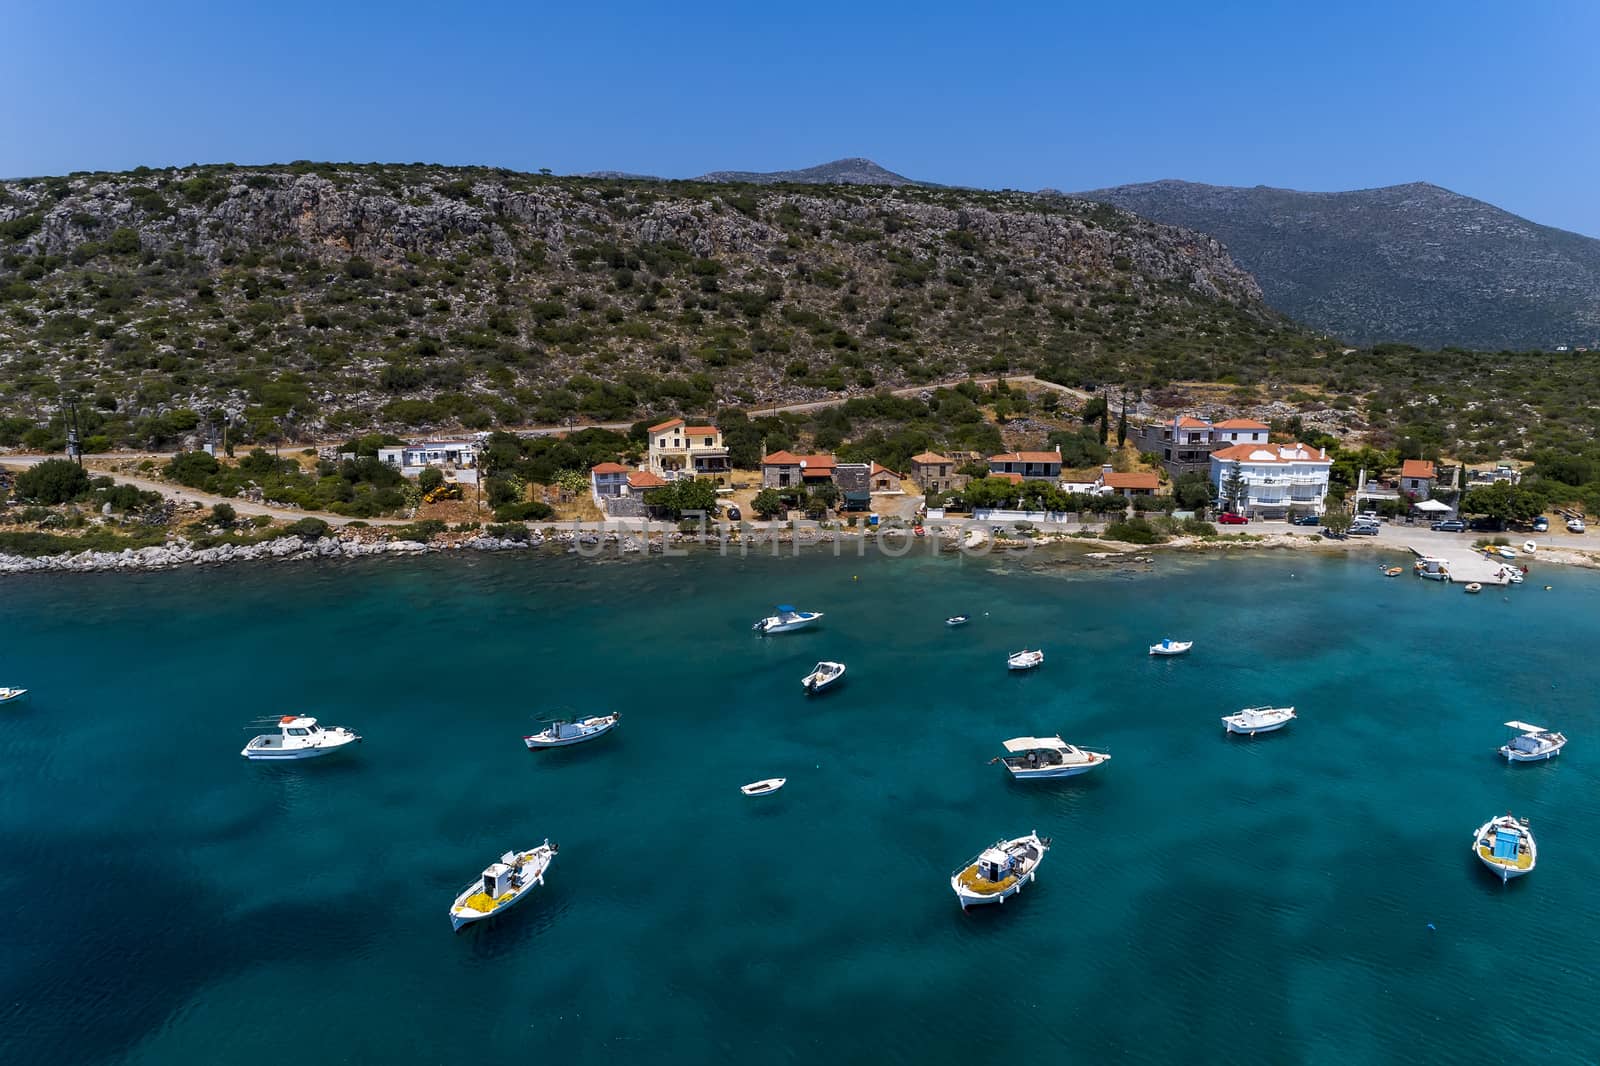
[1417, 477]
[786, 470]
[1271, 479]
[607, 481]
[885, 480]
[1133, 483]
[1240, 431]
[1031, 466]
[679, 450]
[936, 473]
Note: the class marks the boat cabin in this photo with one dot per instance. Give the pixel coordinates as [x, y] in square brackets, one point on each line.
[498, 879]
[296, 726]
[1029, 752]
[995, 864]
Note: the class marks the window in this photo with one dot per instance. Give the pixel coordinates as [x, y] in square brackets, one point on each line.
[662, 443]
[297, 732]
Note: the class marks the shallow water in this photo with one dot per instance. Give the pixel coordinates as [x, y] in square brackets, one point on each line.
[1209, 898]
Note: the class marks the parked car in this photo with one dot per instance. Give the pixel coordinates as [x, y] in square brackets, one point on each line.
[1541, 524]
[1228, 518]
[1575, 525]
[1363, 529]
[1449, 525]
[1306, 520]
[734, 514]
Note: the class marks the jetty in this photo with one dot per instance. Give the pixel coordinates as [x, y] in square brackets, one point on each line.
[1464, 564]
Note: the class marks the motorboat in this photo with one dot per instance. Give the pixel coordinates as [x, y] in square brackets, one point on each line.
[1168, 646]
[1029, 758]
[1536, 743]
[822, 676]
[1432, 569]
[1506, 846]
[299, 737]
[561, 732]
[1253, 720]
[1473, 586]
[1529, 547]
[957, 620]
[502, 885]
[786, 620]
[12, 695]
[999, 872]
[1575, 525]
[762, 788]
[1024, 660]
[1513, 574]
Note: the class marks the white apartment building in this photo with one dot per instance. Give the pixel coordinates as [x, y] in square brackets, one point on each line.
[1275, 478]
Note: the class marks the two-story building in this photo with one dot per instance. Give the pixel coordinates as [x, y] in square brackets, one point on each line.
[607, 481]
[1030, 466]
[1239, 431]
[1417, 477]
[458, 459]
[1184, 444]
[855, 489]
[936, 473]
[679, 450]
[786, 470]
[1268, 480]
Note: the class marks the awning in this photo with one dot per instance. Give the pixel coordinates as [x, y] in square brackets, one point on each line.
[1431, 506]
[1033, 744]
[1525, 727]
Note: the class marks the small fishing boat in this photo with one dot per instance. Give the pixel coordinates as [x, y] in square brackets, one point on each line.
[1534, 745]
[1394, 571]
[502, 885]
[1168, 646]
[1473, 586]
[562, 732]
[999, 872]
[823, 675]
[1502, 551]
[1024, 660]
[1253, 720]
[957, 620]
[1506, 846]
[762, 788]
[786, 620]
[1513, 574]
[1047, 757]
[299, 737]
[12, 695]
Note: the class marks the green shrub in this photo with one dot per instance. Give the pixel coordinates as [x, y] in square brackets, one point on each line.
[533, 510]
[1134, 531]
[310, 528]
[52, 481]
[192, 468]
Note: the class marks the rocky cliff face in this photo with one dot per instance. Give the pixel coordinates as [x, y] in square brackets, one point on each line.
[1412, 263]
[348, 297]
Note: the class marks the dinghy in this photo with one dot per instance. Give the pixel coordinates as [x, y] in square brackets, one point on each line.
[502, 885]
[1473, 586]
[1506, 846]
[1168, 646]
[822, 676]
[957, 620]
[999, 872]
[1394, 571]
[1024, 660]
[762, 788]
[561, 732]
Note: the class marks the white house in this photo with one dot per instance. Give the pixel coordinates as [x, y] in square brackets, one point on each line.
[1240, 431]
[1274, 478]
[1030, 466]
[608, 481]
[457, 458]
[679, 450]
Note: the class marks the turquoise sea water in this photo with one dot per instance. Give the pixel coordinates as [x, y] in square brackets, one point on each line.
[1208, 898]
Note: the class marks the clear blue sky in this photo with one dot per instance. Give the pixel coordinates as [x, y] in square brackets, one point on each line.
[1495, 100]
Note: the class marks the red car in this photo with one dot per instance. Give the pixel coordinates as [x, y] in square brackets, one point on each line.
[1228, 518]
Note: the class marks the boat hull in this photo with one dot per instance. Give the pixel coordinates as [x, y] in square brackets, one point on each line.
[462, 915]
[1170, 649]
[1046, 772]
[1523, 756]
[296, 754]
[16, 695]
[1503, 870]
[776, 624]
[764, 788]
[968, 898]
[1238, 723]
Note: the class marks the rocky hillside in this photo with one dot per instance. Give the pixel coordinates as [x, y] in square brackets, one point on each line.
[312, 299]
[1413, 263]
[839, 172]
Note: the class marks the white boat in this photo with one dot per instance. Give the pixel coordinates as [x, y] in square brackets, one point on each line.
[999, 873]
[762, 788]
[1575, 525]
[957, 620]
[823, 675]
[1030, 758]
[1506, 846]
[561, 732]
[1253, 720]
[12, 695]
[1512, 574]
[1502, 551]
[786, 620]
[1473, 586]
[1024, 660]
[1529, 547]
[299, 737]
[502, 884]
[1168, 646]
[1535, 744]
